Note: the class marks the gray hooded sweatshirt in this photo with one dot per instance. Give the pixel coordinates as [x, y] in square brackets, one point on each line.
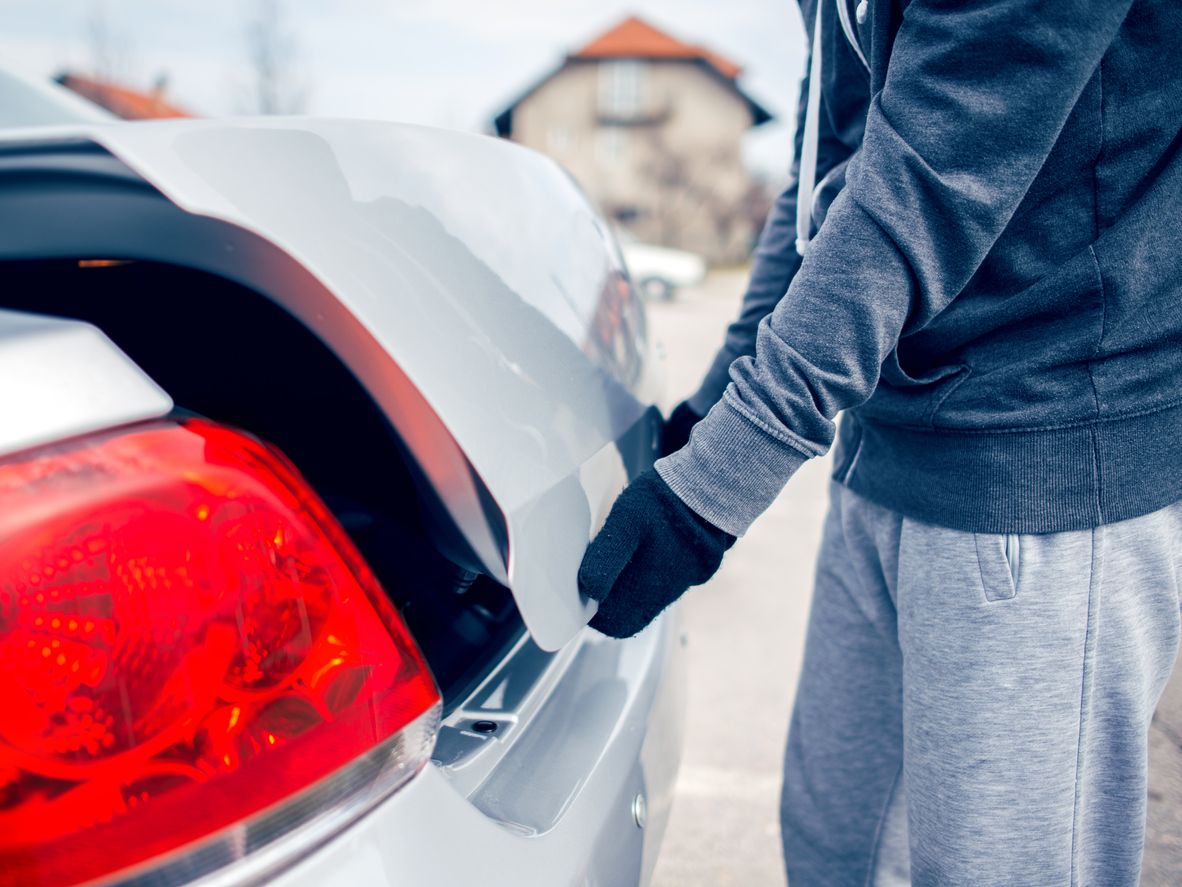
[994, 297]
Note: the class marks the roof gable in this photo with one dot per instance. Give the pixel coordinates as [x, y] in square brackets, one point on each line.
[636, 38]
[119, 100]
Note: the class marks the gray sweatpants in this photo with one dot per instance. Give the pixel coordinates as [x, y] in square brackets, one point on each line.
[974, 709]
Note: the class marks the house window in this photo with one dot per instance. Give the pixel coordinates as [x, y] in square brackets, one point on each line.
[558, 138]
[626, 215]
[621, 88]
[612, 144]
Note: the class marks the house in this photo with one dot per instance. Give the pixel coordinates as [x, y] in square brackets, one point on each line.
[651, 127]
[121, 101]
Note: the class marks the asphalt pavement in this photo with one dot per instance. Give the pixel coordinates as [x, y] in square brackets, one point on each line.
[746, 636]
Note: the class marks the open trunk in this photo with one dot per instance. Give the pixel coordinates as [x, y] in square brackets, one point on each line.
[413, 316]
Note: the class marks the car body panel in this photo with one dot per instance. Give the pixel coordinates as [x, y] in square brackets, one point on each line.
[63, 378]
[447, 270]
[484, 308]
[619, 704]
[549, 800]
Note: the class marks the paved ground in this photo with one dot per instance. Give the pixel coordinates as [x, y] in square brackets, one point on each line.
[746, 638]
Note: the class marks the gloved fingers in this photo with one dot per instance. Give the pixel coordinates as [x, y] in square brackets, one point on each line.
[616, 621]
[624, 612]
[651, 549]
[641, 592]
[606, 557]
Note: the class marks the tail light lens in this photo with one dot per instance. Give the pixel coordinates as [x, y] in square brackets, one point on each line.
[187, 640]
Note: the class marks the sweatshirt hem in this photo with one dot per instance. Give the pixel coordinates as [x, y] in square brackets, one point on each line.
[1039, 481]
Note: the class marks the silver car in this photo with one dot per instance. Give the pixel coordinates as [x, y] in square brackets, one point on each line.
[304, 427]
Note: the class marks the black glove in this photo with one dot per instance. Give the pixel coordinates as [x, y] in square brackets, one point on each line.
[675, 433]
[652, 548]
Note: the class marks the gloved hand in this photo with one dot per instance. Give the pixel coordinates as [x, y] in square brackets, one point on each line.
[675, 433]
[652, 548]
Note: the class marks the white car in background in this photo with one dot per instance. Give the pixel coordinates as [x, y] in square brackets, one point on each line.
[659, 271]
[304, 428]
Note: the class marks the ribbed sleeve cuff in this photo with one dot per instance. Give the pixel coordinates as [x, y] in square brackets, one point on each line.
[731, 470]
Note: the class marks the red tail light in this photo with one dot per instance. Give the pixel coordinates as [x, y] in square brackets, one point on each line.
[187, 640]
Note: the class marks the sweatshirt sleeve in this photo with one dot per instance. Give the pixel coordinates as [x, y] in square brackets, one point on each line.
[973, 101]
[774, 263]
[775, 260]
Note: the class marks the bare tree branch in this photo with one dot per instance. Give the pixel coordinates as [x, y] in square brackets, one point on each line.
[273, 54]
[109, 50]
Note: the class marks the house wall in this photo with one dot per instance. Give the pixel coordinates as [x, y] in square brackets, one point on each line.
[673, 174]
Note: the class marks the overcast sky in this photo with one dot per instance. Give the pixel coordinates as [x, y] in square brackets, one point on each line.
[451, 63]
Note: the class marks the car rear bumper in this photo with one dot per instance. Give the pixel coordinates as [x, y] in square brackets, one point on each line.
[560, 807]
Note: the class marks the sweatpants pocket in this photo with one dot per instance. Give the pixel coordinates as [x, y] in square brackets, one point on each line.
[999, 557]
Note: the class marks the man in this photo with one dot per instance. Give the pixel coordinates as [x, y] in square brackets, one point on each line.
[995, 301]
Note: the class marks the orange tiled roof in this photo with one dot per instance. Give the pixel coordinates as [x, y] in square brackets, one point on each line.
[636, 38]
[121, 101]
